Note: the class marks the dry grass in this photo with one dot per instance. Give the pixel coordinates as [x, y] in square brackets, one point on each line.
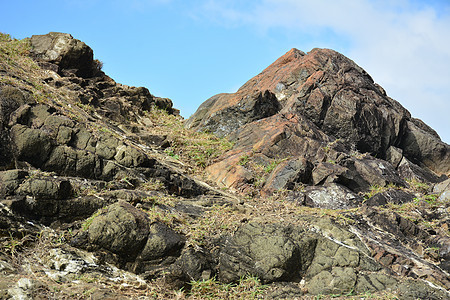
[198, 149]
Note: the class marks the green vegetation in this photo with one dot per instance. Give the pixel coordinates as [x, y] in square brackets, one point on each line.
[170, 153]
[431, 200]
[273, 164]
[11, 48]
[198, 148]
[12, 244]
[376, 189]
[243, 160]
[87, 223]
[418, 186]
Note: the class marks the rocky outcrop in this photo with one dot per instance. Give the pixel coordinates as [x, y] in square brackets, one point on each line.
[326, 97]
[226, 113]
[64, 54]
[337, 190]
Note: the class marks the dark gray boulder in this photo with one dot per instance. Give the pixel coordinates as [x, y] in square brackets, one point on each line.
[424, 148]
[121, 229]
[393, 196]
[31, 145]
[161, 241]
[64, 51]
[225, 113]
[142, 245]
[267, 251]
[287, 174]
[368, 171]
[10, 181]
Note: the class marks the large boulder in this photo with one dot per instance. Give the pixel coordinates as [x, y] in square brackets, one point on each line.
[271, 252]
[129, 233]
[31, 145]
[423, 147]
[64, 51]
[121, 229]
[225, 113]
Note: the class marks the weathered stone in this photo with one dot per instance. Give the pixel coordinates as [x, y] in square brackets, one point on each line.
[278, 137]
[31, 145]
[423, 148]
[106, 147]
[59, 128]
[121, 229]
[417, 289]
[161, 241]
[393, 196]
[68, 161]
[225, 113]
[443, 190]
[373, 282]
[82, 139]
[65, 51]
[193, 264]
[369, 172]
[46, 188]
[337, 281]
[10, 181]
[130, 157]
[10, 100]
[268, 252]
[394, 155]
[327, 172]
[328, 89]
[287, 174]
[411, 171]
[332, 196]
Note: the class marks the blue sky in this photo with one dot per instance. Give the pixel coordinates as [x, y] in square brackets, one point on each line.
[191, 50]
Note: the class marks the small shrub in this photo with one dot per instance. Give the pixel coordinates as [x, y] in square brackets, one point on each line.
[97, 65]
[373, 190]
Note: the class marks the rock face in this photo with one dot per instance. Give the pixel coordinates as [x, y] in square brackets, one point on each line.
[65, 53]
[329, 187]
[225, 113]
[327, 109]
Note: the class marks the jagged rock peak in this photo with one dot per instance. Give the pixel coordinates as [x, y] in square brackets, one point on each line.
[333, 94]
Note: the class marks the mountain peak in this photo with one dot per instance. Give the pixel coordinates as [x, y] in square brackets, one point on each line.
[333, 93]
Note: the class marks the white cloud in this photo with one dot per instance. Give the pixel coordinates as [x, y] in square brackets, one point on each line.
[404, 45]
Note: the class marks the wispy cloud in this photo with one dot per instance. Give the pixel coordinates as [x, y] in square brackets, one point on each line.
[404, 45]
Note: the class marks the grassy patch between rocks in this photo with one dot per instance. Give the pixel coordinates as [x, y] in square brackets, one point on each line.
[197, 148]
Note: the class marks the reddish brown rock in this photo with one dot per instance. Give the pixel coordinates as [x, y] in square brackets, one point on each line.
[321, 97]
[266, 142]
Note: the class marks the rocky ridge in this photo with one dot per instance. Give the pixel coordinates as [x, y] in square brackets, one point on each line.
[323, 185]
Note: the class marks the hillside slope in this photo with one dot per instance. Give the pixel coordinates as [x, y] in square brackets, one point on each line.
[104, 194]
